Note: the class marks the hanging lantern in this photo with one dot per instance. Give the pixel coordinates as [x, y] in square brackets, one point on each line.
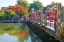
[51, 20]
[37, 12]
[51, 16]
[32, 16]
[38, 18]
[51, 11]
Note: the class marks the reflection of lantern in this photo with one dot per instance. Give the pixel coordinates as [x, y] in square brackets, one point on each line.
[51, 12]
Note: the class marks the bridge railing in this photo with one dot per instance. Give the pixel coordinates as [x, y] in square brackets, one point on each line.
[55, 25]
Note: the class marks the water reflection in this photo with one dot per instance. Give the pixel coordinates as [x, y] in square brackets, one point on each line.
[13, 32]
[34, 38]
[16, 32]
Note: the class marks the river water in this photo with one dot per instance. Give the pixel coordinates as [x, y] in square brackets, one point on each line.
[17, 32]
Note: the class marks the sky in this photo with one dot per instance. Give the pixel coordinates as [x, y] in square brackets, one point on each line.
[5, 3]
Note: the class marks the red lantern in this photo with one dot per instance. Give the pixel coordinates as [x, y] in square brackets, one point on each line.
[38, 18]
[51, 11]
[38, 13]
[51, 16]
[32, 16]
[51, 20]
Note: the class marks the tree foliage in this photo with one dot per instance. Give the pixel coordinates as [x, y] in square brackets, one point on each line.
[50, 5]
[1, 12]
[62, 7]
[23, 2]
[9, 13]
[20, 10]
[36, 5]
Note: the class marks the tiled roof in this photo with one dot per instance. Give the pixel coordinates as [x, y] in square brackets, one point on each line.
[4, 8]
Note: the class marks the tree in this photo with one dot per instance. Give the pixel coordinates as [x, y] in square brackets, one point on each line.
[62, 7]
[20, 10]
[50, 5]
[12, 13]
[36, 5]
[9, 14]
[23, 2]
[1, 14]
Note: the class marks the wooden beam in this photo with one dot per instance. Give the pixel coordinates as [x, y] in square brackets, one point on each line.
[58, 21]
[35, 17]
[41, 17]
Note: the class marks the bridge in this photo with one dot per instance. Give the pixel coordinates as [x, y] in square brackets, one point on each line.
[51, 22]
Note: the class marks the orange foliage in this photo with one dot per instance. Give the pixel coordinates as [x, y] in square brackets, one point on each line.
[18, 7]
[21, 35]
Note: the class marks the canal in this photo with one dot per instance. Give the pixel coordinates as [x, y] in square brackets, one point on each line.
[17, 32]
